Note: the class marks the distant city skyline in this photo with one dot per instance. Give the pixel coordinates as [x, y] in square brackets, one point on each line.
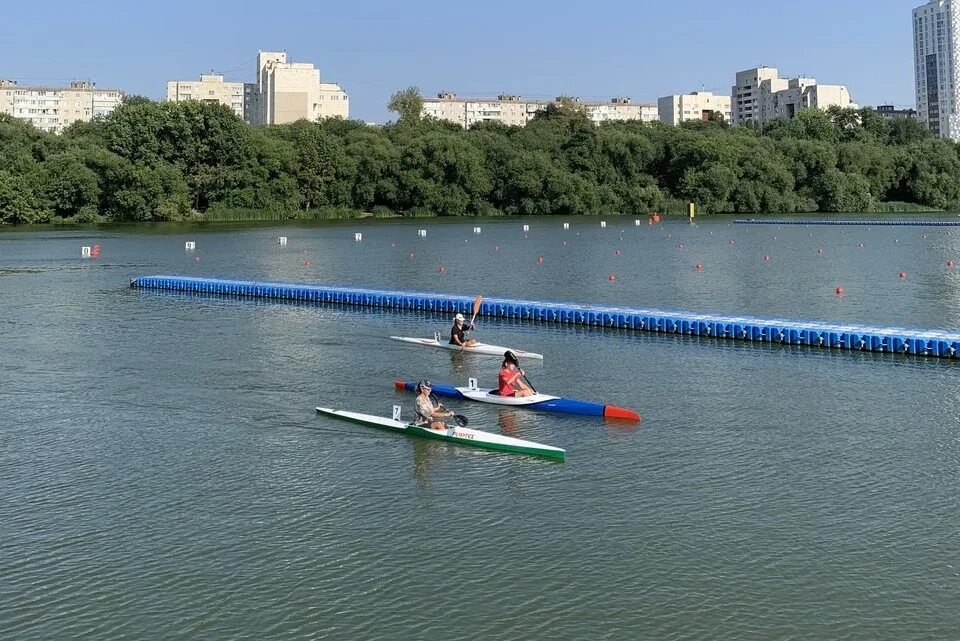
[532, 49]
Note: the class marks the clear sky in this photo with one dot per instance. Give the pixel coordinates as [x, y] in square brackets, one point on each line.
[591, 49]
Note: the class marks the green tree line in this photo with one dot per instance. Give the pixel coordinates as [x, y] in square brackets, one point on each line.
[153, 161]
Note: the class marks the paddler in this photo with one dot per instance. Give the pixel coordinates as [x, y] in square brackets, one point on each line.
[457, 332]
[511, 377]
[426, 412]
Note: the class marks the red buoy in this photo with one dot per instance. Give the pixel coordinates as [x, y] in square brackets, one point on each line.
[903, 275]
[950, 264]
[839, 291]
[698, 266]
[306, 263]
[539, 259]
[611, 278]
[766, 258]
[411, 254]
[617, 252]
[442, 269]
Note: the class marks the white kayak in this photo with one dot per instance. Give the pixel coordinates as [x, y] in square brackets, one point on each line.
[479, 348]
[458, 435]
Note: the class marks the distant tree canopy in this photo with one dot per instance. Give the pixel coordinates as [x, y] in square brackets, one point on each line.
[168, 161]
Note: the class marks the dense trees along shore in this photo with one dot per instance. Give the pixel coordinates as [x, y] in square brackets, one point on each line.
[174, 161]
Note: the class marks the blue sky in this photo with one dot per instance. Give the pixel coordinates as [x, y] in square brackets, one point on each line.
[593, 50]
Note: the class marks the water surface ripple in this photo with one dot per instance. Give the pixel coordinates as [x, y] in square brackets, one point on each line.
[165, 476]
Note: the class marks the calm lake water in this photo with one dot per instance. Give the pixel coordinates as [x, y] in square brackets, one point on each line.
[164, 474]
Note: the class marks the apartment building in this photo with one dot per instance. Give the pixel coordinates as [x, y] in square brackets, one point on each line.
[289, 91]
[699, 105]
[210, 88]
[801, 93]
[55, 108]
[745, 94]
[512, 110]
[890, 112]
[760, 95]
[936, 49]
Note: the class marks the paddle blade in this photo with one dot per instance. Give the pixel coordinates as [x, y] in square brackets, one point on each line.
[477, 302]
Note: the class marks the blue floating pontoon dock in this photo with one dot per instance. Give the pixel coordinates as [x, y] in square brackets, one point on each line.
[867, 223]
[861, 338]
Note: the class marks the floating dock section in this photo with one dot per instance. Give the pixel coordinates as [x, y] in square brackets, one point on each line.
[858, 338]
[862, 223]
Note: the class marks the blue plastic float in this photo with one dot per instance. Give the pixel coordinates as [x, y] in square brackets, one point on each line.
[871, 223]
[896, 340]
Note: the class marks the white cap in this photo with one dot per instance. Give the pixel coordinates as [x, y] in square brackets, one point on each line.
[458, 317]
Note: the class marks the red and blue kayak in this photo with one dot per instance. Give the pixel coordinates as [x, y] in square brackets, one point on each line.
[536, 402]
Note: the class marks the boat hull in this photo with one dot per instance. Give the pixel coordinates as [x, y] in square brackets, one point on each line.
[536, 402]
[479, 348]
[457, 435]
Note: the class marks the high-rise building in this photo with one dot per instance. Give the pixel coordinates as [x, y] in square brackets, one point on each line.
[512, 110]
[210, 88]
[761, 95]
[936, 48]
[698, 105]
[290, 91]
[745, 94]
[55, 108]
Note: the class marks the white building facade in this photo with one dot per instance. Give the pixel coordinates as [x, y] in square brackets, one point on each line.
[53, 109]
[210, 88]
[745, 94]
[290, 91]
[699, 105]
[936, 46]
[512, 110]
[760, 96]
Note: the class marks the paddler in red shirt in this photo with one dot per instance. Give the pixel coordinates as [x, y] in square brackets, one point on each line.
[511, 377]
